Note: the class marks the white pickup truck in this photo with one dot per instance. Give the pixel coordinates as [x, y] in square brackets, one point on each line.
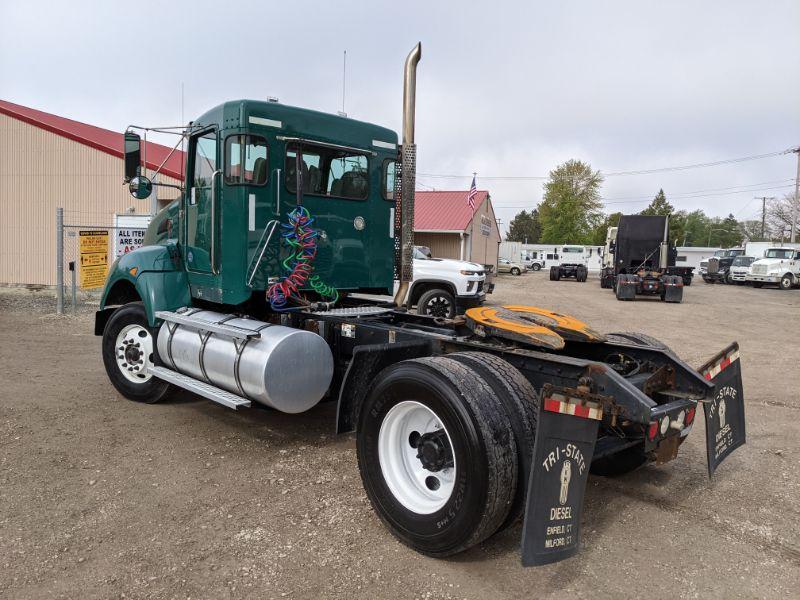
[779, 266]
[444, 287]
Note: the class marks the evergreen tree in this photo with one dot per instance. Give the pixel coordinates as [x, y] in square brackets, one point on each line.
[525, 228]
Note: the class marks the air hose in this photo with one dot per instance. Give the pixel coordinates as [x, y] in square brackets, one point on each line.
[301, 237]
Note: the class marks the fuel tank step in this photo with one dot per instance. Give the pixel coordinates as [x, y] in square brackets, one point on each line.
[201, 388]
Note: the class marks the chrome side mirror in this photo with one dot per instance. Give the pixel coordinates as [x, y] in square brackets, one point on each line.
[140, 187]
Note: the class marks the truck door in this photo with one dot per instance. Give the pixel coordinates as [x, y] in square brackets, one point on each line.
[202, 207]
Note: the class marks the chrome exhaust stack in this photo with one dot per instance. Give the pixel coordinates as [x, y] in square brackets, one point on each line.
[406, 181]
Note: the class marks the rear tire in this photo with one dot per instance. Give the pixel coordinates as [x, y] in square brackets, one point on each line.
[440, 513]
[437, 303]
[515, 271]
[521, 403]
[128, 348]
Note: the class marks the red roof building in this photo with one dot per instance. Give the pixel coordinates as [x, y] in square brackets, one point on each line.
[49, 162]
[105, 140]
[445, 223]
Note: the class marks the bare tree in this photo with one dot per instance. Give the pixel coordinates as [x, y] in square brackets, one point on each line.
[780, 212]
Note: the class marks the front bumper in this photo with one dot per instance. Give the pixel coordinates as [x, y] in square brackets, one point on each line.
[763, 278]
[469, 301]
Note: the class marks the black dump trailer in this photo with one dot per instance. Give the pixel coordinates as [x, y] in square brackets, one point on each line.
[644, 261]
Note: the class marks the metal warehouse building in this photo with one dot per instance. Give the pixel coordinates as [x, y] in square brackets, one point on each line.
[445, 223]
[47, 161]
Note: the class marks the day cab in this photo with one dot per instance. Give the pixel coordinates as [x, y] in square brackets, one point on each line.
[214, 244]
[780, 265]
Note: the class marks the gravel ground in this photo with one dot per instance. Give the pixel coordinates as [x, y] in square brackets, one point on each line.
[104, 498]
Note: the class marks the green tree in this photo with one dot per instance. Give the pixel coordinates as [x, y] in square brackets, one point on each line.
[659, 206]
[600, 232]
[570, 211]
[695, 229]
[525, 228]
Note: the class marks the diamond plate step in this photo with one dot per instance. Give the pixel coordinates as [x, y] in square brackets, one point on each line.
[230, 331]
[201, 388]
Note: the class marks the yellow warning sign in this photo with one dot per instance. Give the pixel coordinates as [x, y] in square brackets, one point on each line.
[93, 246]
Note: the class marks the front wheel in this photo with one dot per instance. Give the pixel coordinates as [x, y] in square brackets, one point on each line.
[537, 267]
[437, 455]
[787, 282]
[128, 353]
[515, 271]
[437, 303]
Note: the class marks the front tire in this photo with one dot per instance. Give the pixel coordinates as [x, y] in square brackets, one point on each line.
[786, 282]
[437, 455]
[536, 267]
[128, 351]
[437, 303]
[515, 271]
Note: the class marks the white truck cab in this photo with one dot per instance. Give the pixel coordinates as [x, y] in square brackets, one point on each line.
[780, 265]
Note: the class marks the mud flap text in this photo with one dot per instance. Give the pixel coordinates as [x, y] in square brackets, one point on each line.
[561, 458]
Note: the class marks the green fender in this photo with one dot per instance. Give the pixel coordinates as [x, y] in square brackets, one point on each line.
[155, 273]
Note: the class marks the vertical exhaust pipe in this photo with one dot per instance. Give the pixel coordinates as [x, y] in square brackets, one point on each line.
[408, 171]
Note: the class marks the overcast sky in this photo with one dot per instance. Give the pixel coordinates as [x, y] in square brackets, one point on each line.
[504, 88]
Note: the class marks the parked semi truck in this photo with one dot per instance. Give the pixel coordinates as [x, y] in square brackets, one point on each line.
[570, 267]
[639, 260]
[717, 268]
[780, 266]
[463, 426]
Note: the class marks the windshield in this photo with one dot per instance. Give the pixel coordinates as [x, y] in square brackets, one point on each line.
[419, 254]
[719, 253]
[743, 261]
[782, 253]
[734, 252]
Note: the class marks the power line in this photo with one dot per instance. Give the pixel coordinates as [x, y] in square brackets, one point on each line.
[716, 163]
[685, 196]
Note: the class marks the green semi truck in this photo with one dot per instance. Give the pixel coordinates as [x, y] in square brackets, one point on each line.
[247, 291]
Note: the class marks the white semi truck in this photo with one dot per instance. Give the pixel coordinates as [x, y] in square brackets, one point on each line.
[780, 266]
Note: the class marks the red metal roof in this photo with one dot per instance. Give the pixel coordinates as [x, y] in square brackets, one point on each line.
[104, 140]
[444, 211]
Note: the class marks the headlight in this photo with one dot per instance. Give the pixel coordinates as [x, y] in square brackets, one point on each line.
[469, 273]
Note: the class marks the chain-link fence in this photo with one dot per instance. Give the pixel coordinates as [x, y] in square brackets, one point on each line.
[86, 246]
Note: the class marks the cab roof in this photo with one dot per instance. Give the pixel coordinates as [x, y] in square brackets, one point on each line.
[292, 121]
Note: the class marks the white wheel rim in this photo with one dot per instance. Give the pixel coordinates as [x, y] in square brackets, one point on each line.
[133, 352]
[420, 490]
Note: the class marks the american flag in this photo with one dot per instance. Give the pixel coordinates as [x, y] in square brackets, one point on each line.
[473, 191]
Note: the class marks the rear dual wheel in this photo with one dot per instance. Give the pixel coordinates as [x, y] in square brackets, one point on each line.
[438, 451]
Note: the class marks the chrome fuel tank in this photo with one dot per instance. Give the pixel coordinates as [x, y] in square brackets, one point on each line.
[287, 369]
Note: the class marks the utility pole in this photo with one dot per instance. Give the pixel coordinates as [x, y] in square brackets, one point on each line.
[764, 213]
[796, 200]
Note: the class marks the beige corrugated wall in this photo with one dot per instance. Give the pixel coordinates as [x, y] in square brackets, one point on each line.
[40, 171]
[483, 249]
[442, 245]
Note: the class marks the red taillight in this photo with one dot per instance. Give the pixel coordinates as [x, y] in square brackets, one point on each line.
[690, 415]
[653, 430]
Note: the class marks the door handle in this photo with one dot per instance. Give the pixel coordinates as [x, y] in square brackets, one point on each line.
[278, 193]
[214, 221]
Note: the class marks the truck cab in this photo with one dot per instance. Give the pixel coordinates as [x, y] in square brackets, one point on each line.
[221, 240]
[716, 269]
[780, 265]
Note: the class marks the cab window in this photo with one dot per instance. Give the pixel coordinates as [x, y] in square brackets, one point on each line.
[246, 160]
[328, 172]
[389, 167]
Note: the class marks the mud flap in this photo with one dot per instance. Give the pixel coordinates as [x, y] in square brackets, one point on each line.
[565, 439]
[724, 413]
[673, 289]
[626, 287]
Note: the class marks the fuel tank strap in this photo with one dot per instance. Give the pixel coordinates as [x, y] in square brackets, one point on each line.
[239, 351]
